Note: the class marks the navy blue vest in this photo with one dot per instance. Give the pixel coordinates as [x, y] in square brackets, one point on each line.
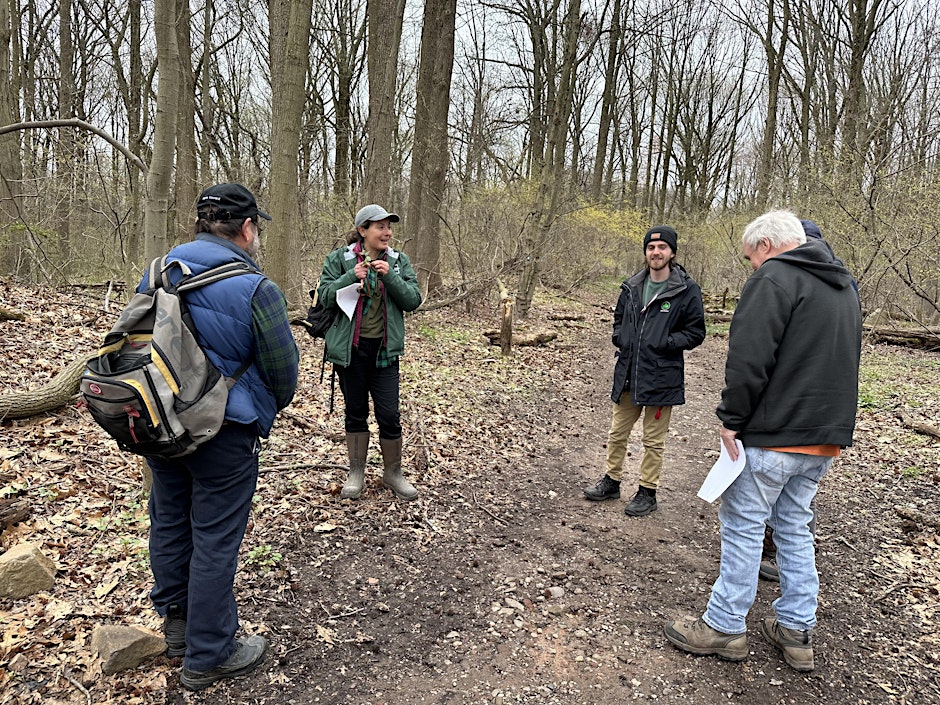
[222, 315]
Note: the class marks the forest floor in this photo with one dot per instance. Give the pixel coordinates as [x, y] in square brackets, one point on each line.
[500, 584]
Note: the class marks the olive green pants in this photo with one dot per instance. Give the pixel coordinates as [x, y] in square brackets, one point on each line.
[655, 425]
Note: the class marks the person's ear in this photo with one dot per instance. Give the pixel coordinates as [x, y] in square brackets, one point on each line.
[248, 231]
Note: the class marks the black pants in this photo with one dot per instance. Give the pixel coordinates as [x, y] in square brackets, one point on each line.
[363, 378]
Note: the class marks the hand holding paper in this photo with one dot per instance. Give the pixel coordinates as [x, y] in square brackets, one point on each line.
[723, 473]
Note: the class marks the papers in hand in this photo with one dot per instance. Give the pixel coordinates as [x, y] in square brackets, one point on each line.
[723, 473]
[347, 297]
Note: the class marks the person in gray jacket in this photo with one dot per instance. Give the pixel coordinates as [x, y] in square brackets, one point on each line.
[659, 316]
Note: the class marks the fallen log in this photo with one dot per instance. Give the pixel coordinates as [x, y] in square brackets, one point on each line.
[52, 395]
[8, 314]
[923, 338]
[917, 516]
[12, 511]
[531, 339]
[919, 426]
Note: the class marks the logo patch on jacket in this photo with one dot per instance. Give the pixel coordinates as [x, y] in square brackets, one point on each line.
[664, 307]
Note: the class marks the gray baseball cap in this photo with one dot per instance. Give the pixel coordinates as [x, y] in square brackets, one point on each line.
[373, 212]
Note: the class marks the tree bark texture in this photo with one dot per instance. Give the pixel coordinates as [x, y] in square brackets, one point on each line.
[385, 19]
[51, 396]
[156, 210]
[11, 165]
[538, 226]
[430, 158]
[186, 157]
[290, 54]
[608, 99]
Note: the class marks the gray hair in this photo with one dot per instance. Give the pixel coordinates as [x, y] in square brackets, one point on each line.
[779, 228]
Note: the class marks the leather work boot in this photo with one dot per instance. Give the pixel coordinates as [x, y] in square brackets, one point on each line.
[392, 477]
[358, 445]
[796, 645]
[606, 488]
[643, 503]
[174, 631]
[768, 557]
[768, 570]
[696, 637]
[249, 652]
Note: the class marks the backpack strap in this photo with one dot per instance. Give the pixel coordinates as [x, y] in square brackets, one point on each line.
[158, 273]
[210, 276]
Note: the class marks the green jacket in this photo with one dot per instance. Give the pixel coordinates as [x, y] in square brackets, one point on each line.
[401, 294]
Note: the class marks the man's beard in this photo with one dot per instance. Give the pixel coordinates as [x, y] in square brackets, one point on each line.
[656, 265]
[255, 247]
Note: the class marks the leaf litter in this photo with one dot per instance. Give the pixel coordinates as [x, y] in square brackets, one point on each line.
[381, 601]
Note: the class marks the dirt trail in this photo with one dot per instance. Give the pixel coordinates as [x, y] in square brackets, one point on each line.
[447, 600]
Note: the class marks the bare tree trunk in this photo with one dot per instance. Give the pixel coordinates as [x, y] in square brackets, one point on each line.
[290, 55]
[552, 168]
[11, 165]
[66, 166]
[608, 100]
[346, 46]
[430, 157]
[135, 132]
[385, 19]
[775, 58]
[164, 131]
[186, 157]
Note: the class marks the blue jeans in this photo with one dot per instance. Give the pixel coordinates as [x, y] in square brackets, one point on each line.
[774, 488]
[199, 508]
[363, 378]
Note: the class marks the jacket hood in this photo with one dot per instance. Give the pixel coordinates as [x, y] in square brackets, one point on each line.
[816, 257]
[678, 278]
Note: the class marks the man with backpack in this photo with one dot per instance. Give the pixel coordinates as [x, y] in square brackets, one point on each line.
[200, 502]
[659, 316]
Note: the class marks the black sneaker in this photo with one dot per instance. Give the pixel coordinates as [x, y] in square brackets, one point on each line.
[249, 652]
[604, 489]
[643, 503]
[174, 631]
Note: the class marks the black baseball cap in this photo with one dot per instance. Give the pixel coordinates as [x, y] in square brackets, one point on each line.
[233, 202]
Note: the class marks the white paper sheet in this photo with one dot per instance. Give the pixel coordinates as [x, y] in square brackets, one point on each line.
[723, 473]
[347, 297]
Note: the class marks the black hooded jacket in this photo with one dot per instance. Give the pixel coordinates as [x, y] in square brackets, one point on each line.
[791, 378]
[650, 340]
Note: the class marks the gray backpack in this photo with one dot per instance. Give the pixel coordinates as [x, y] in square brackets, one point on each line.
[151, 386]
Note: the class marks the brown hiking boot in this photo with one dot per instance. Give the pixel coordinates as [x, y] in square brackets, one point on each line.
[796, 645]
[696, 637]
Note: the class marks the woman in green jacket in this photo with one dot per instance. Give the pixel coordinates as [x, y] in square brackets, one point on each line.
[364, 347]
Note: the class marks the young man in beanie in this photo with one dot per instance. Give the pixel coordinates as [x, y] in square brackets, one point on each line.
[659, 316]
[200, 503]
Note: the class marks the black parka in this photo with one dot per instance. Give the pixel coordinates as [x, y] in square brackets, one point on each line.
[791, 378]
[651, 340]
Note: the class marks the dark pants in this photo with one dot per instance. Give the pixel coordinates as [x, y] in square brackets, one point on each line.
[199, 509]
[363, 378]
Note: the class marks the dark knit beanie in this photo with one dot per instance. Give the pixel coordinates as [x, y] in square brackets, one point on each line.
[664, 233]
